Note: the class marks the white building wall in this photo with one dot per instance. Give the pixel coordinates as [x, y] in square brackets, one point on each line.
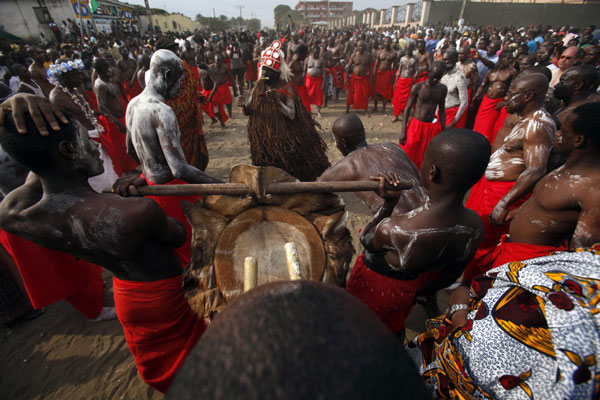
[17, 17]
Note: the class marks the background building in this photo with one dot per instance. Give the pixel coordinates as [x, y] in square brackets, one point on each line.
[317, 11]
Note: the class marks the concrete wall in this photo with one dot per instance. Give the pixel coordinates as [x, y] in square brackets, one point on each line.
[481, 13]
[17, 17]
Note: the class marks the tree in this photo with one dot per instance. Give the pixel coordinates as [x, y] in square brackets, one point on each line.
[253, 24]
[281, 11]
[213, 24]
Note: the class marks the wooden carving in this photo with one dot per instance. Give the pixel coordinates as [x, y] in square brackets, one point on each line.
[227, 229]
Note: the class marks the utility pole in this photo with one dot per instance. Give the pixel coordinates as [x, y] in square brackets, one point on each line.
[240, 20]
[149, 16]
[214, 14]
[80, 20]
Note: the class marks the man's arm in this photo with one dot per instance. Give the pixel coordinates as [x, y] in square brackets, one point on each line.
[442, 108]
[14, 208]
[168, 133]
[587, 231]
[537, 144]
[485, 61]
[481, 88]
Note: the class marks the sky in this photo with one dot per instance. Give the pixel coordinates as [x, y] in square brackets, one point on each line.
[261, 9]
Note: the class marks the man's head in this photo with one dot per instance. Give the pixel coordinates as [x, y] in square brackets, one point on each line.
[524, 90]
[316, 51]
[525, 61]
[218, 60]
[21, 71]
[71, 79]
[591, 55]
[387, 42]
[297, 340]
[360, 46]
[450, 58]
[67, 152]
[505, 59]
[421, 46]
[164, 43]
[463, 54]
[124, 52]
[436, 72]
[579, 131]
[167, 73]
[493, 48]
[38, 55]
[577, 79]
[455, 159]
[348, 133]
[104, 69]
[568, 58]
[301, 51]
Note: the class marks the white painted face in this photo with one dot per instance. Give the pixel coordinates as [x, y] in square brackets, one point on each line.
[87, 152]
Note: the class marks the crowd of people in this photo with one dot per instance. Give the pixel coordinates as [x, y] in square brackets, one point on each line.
[498, 134]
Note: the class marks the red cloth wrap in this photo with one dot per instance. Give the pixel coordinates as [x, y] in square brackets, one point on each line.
[159, 326]
[358, 92]
[221, 98]
[251, 72]
[92, 99]
[342, 72]
[422, 76]
[314, 88]
[418, 136]
[483, 198]
[114, 142]
[391, 299]
[487, 117]
[208, 107]
[451, 113]
[401, 95]
[383, 83]
[303, 94]
[50, 276]
[172, 207]
[508, 251]
[334, 78]
[132, 91]
[500, 122]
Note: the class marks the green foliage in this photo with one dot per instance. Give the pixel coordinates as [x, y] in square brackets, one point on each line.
[222, 22]
[281, 13]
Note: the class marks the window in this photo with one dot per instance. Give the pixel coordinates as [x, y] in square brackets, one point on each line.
[42, 15]
[174, 24]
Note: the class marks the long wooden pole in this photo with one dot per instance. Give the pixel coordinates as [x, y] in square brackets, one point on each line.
[240, 189]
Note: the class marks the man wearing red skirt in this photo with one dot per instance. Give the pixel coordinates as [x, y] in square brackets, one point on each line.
[404, 80]
[457, 97]
[359, 88]
[383, 79]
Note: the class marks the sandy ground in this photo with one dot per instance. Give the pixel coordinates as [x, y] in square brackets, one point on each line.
[62, 356]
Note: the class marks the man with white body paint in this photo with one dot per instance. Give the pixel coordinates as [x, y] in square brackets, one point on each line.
[563, 209]
[153, 139]
[425, 249]
[457, 98]
[519, 159]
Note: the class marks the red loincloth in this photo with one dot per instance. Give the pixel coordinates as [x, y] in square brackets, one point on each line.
[303, 94]
[221, 98]
[50, 276]
[401, 95]
[342, 73]
[358, 92]
[500, 122]
[383, 83]
[391, 299]
[92, 99]
[451, 113]
[483, 198]
[208, 107]
[314, 88]
[114, 142]
[172, 207]
[132, 91]
[334, 78]
[418, 136]
[487, 117]
[508, 251]
[159, 326]
[422, 76]
[251, 73]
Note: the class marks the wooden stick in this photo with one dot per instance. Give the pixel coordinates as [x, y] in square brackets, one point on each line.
[293, 261]
[240, 189]
[250, 273]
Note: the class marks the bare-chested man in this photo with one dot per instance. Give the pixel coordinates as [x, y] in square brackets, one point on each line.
[38, 71]
[563, 209]
[468, 68]
[491, 113]
[220, 96]
[297, 67]
[131, 237]
[425, 249]
[337, 70]
[189, 54]
[383, 74]
[569, 57]
[424, 61]
[519, 160]
[574, 88]
[315, 71]
[68, 95]
[293, 43]
[362, 161]
[457, 98]
[357, 79]
[144, 66]
[128, 67]
[427, 97]
[404, 80]
[112, 117]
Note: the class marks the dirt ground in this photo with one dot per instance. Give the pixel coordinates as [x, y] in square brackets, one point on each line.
[62, 356]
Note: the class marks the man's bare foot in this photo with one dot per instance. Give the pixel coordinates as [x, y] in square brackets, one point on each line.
[106, 314]
[214, 121]
[396, 119]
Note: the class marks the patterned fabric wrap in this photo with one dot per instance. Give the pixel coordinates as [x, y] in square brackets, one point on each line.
[188, 109]
[533, 333]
